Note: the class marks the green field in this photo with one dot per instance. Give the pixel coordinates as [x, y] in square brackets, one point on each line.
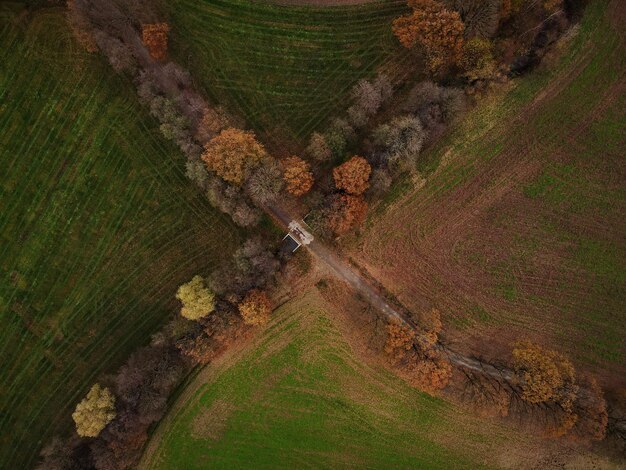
[524, 208]
[299, 398]
[98, 226]
[285, 69]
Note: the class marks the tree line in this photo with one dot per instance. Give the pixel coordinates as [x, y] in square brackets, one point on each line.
[466, 44]
[113, 420]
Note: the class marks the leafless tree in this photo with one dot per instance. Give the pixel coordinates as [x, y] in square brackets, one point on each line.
[265, 182]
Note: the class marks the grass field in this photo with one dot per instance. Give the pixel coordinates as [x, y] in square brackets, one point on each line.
[299, 398]
[98, 226]
[519, 229]
[285, 69]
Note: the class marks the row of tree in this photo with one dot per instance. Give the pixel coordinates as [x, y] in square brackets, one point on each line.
[466, 43]
[542, 389]
[112, 422]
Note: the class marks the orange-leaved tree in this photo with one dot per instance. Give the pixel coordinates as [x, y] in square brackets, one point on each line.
[232, 154]
[417, 361]
[546, 375]
[436, 29]
[256, 307]
[353, 176]
[297, 175]
[400, 340]
[154, 37]
[346, 211]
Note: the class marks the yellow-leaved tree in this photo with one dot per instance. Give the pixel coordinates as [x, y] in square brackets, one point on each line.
[94, 412]
[198, 301]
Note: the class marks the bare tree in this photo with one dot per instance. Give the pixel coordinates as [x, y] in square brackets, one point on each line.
[265, 182]
[400, 141]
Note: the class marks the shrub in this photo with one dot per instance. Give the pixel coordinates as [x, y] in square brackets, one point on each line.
[94, 412]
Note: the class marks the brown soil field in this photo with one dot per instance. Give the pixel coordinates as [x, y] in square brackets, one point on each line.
[519, 231]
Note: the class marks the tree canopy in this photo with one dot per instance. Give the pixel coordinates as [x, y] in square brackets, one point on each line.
[256, 307]
[437, 30]
[545, 373]
[353, 176]
[232, 154]
[297, 175]
[154, 37]
[94, 412]
[346, 211]
[198, 301]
